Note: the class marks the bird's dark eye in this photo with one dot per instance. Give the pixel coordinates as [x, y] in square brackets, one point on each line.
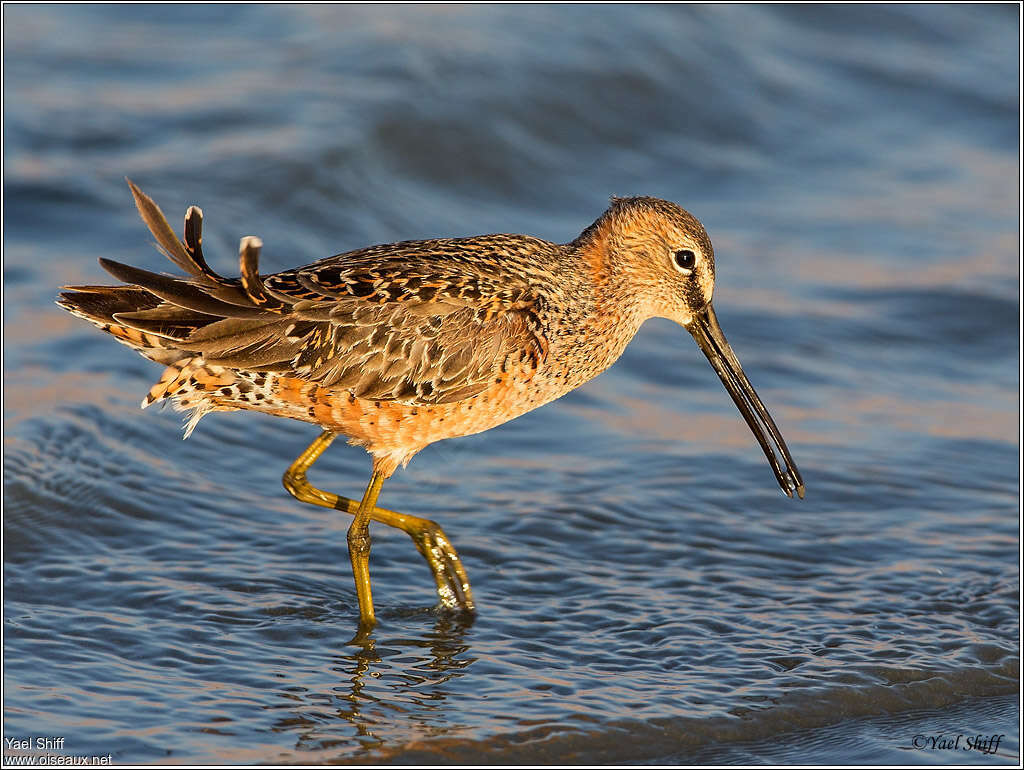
[684, 259]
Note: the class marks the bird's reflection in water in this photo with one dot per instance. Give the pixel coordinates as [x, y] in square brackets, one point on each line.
[380, 679]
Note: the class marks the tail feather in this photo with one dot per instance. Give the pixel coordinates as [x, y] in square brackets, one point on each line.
[201, 327]
[188, 254]
[168, 329]
[179, 253]
[100, 303]
[178, 291]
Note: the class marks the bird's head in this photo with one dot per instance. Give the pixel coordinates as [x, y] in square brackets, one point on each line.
[660, 254]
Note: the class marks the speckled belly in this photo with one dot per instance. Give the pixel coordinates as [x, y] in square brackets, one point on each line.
[383, 427]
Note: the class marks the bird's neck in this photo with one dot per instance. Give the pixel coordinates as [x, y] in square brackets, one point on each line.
[613, 281]
[614, 312]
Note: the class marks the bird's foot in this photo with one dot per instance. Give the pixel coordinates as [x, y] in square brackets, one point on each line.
[449, 574]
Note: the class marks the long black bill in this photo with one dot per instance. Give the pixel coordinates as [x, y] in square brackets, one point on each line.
[709, 336]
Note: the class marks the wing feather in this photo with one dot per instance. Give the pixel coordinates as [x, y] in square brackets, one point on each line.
[421, 322]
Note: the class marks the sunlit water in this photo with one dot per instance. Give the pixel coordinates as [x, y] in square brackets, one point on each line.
[646, 592]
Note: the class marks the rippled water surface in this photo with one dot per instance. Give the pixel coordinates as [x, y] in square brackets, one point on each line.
[646, 592]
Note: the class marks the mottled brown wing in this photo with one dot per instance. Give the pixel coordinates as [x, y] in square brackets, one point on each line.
[413, 322]
[488, 271]
[421, 322]
[388, 352]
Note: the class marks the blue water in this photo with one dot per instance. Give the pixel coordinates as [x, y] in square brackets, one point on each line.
[646, 593]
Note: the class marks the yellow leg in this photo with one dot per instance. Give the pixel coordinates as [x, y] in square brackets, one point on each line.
[431, 541]
[359, 549]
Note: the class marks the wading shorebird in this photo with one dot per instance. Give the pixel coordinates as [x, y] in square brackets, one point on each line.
[400, 345]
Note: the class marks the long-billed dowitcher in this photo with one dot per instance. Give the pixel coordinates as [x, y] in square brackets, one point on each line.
[404, 344]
